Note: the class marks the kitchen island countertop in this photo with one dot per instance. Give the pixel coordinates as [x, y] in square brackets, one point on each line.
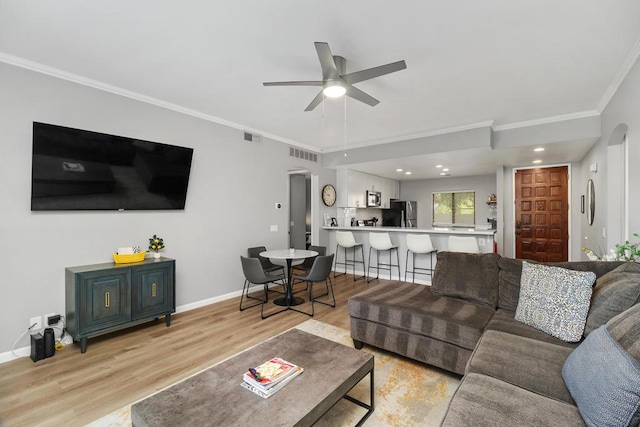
[436, 230]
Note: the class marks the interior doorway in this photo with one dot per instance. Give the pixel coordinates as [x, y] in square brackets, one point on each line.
[300, 212]
[542, 213]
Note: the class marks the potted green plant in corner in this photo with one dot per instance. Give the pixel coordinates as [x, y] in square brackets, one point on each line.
[627, 251]
[155, 245]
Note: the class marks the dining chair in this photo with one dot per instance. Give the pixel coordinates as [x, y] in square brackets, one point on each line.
[266, 263]
[306, 265]
[267, 266]
[467, 244]
[419, 244]
[320, 272]
[254, 274]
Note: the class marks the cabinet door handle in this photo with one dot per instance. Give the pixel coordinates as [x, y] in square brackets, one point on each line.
[153, 290]
[107, 300]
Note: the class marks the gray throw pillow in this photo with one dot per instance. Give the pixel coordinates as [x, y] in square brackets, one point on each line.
[472, 277]
[614, 293]
[604, 381]
[555, 300]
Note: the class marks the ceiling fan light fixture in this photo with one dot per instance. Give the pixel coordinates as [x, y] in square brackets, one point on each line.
[334, 90]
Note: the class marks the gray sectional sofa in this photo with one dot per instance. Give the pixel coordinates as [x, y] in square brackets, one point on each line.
[514, 373]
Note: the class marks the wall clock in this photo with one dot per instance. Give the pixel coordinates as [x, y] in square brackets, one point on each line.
[329, 195]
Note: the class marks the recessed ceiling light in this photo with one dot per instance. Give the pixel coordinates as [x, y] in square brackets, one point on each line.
[538, 149]
[444, 174]
[407, 173]
[399, 170]
[535, 162]
[445, 170]
[438, 166]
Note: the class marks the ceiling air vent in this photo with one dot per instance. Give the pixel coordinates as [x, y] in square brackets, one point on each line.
[250, 137]
[302, 154]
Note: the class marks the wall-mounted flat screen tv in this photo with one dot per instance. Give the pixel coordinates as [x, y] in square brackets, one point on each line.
[74, 169]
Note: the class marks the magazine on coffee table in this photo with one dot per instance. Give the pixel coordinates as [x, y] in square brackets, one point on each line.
[270, 373]
[266, 393]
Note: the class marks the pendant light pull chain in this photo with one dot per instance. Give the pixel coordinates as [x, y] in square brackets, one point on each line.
[324, 135]
[345, 125]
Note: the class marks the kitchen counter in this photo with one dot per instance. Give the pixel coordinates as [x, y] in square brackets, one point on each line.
[437, 230]
[439, 239]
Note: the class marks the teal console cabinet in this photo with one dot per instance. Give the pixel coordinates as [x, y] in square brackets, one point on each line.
[102, 298]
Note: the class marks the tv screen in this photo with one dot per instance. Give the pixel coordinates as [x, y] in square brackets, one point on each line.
[74, 169]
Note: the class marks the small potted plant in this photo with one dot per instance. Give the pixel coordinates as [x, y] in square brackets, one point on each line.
[155, 244]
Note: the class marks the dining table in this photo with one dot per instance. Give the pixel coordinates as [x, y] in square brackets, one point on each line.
[289, 256]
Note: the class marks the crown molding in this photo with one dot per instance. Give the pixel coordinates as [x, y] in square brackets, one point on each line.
[628, 63]
[488, 123]
[95, 84]
[546, 120]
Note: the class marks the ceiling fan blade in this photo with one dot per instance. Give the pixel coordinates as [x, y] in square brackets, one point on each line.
[298, 83]
[316, 101]
[356, 93]
[329, 69]
[370, 73]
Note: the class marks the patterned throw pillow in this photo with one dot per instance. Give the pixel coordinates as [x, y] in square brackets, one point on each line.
[555, 300]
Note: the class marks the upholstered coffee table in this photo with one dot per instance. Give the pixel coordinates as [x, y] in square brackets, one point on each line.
[214, 397]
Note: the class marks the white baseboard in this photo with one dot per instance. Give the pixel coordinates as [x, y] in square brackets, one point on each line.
[26, 351]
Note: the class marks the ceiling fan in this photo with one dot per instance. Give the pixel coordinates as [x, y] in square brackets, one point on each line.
[336, 82]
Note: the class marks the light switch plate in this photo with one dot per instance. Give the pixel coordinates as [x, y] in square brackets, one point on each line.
[274, 227]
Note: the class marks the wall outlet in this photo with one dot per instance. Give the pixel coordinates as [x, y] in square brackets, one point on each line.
[38, 323]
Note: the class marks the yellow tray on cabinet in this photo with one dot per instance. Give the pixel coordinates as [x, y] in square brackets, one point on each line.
[125, 258]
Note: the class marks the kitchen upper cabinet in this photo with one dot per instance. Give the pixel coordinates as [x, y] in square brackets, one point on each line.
[395, 189]
[353, 186]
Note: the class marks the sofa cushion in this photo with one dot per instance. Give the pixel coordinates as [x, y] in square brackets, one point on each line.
[472, 277]
[413, 307]
[483, 401]
[523, 362]
[625, 329]
[604, 380]
[504, 321]
[555, 300]
[614, 293]
[511, 270]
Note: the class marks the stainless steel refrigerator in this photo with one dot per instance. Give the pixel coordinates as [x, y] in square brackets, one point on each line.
[401, 214]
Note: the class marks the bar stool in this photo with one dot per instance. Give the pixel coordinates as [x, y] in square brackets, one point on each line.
[419, 244]
[382, 242]
[463, 244]
[345, 240]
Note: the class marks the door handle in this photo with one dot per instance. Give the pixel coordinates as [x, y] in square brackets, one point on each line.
[153, 290]
[107, 300]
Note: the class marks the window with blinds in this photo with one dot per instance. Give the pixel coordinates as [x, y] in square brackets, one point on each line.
[454, 208]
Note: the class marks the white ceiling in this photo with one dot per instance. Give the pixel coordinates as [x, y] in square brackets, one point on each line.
[468, 61]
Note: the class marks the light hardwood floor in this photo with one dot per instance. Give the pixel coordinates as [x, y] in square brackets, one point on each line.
[74, 389]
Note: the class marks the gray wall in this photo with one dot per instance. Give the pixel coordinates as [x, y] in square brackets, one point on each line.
[230, 203]
[421, 191]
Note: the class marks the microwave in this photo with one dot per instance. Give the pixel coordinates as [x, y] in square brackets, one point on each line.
[373, 199]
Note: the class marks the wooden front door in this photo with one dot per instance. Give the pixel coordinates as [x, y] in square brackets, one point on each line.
[542, 214]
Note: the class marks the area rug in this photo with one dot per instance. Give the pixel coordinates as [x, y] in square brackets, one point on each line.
[407, 393]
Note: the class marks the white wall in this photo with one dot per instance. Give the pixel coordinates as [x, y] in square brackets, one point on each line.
[623, 109]
[230, 202]
[422, 190]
